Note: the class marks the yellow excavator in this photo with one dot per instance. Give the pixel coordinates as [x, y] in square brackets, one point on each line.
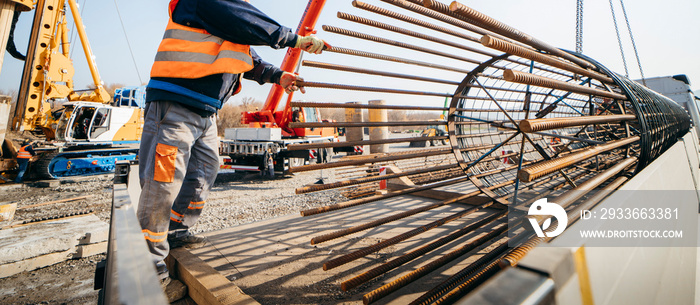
[81, 132]
[432, 131]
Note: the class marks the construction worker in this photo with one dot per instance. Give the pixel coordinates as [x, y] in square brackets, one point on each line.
[198, 66]
[25, 153]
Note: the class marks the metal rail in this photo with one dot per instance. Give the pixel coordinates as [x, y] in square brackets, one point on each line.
[129, 275]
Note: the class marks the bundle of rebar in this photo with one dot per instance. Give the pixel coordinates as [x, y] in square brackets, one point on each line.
[525, 120]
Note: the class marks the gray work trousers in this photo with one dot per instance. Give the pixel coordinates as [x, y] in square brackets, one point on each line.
[178, 163]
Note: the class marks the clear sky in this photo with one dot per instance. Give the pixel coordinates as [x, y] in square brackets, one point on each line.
[667, 34]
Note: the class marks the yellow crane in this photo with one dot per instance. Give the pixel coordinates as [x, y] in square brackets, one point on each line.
[83, 133]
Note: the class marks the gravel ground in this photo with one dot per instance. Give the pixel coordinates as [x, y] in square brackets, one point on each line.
[235, 199]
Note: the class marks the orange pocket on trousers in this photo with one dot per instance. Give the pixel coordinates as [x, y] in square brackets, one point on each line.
[164, 168]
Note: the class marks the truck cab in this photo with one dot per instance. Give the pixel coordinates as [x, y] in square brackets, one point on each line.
[96, 123]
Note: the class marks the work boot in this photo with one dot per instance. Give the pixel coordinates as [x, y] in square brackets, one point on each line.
[188, 240]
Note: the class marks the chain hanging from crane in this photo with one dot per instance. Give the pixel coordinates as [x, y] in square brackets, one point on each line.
[619, 40]
[634, 45]
[579, 26]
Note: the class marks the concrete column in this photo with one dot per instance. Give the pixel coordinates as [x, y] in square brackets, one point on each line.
[7, 9]
[354, 115]
[378, 133]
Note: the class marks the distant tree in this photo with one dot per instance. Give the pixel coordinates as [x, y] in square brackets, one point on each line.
[230, 114]
[11, 93]
[229, 117]
[333, 114]
[250, 104]
[397, 115]
[112, 87]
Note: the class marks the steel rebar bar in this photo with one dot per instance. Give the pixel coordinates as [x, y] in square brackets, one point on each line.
[335, 67]
[541, 81]
[370, 89]
[401, 237]
[535, 125]
[546, 167]
[396, 262]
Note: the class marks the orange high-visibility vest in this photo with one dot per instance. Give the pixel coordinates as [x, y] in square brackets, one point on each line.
[187, 52]
[23, 153]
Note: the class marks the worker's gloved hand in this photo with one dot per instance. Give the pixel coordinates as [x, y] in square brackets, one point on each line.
[288, 81]
[311, 44]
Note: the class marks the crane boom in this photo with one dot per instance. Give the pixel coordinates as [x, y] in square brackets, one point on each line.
[289, 64]
[48, 70]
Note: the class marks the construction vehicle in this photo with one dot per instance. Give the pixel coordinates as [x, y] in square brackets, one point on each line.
[432, 131]
[263, 146]
[79, 132]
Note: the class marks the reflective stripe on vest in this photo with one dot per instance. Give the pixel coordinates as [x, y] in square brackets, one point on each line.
[187, 52]
[23, 153]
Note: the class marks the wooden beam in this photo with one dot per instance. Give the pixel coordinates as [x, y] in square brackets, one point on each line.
[204, 284]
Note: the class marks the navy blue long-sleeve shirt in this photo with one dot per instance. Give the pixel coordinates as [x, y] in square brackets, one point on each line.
[236, 21]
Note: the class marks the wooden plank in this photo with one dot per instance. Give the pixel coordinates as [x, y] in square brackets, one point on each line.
[20, 224]
[34, 263]
[55, 201]
[204, 284]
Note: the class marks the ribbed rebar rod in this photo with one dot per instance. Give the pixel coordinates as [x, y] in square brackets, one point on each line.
[541, 81]
[568, 198]
[404, 280]
[335, 67]
[360, 201]
[383, 57]
[398, 238]
[503, 29]
[359, 143]
[477, 272]
[511, 48]
[344, 232]
[547, 167]
[499, 110]
[416, 21]
[346, 32]
[546, 94]
[396, 262]
[597, 198]
[370, 89]
[375, 223]
[403, 31]
[328, 186]
[483, 268]
[363, 124]
[437, 16]
[372, 159]
[534, 125]
[365, 106]
[429, 13]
